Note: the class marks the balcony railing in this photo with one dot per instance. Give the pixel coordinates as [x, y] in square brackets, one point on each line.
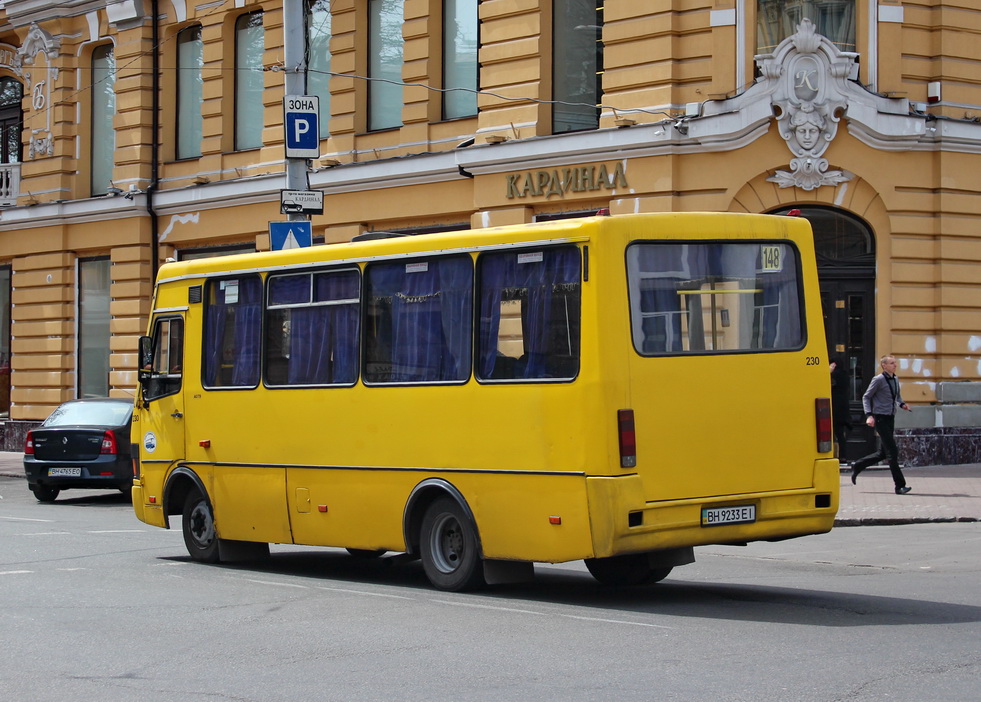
[9, 183]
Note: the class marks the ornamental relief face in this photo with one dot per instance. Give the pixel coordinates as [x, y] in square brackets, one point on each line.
[808, 103]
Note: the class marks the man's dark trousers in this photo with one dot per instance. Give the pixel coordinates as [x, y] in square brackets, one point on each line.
[885, 427]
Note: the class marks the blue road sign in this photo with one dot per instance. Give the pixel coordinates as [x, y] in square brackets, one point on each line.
[302, 121]
[290, 235]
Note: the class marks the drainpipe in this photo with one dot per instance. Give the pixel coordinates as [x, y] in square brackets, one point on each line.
[155, 141]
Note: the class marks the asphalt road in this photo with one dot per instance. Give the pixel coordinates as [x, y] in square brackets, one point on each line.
[96, 605]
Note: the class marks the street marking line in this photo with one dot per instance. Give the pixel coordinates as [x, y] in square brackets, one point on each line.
[269, 582]
[480, 606]
[25, 519]
[48, 533]
[15, 572]
[119, 531]
[615, 621]
[362, 592]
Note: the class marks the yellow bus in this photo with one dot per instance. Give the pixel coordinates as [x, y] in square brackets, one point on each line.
[613, 389]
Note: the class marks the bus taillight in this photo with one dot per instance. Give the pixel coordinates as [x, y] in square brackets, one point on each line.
[822, 407]
[628, 439]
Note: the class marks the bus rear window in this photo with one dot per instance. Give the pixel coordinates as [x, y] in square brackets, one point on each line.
[714, 297]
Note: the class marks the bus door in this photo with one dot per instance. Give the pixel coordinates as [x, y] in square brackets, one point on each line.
[160, 429]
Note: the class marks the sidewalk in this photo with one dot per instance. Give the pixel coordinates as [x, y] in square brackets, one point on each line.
[939, 494]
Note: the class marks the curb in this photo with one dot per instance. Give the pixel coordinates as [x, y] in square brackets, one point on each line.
[892, 521]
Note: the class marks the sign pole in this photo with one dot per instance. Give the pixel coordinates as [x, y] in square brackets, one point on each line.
[294, 40]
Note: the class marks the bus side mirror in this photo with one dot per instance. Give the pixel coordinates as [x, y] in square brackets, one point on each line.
[145, 370]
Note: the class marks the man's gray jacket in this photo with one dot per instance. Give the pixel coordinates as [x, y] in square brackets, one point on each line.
[883, 396]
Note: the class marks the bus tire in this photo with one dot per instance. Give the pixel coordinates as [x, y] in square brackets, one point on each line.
[43, 493]
[448, 546]
[626, 571]
[198, 522]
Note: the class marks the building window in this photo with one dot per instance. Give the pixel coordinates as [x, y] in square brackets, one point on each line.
[460, 39]
[190, 92]
[318, 59]
[249, 46]
[93, 327]
[577, 68]
[11, 120]
[385, 46]
[103, 137]
[778, 19]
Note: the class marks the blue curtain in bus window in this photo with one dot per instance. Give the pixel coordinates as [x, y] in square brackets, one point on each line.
[232, 333]
[430, 317]
[344, 320]
[536, 276]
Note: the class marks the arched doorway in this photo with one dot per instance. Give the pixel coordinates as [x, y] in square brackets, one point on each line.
[845, 248]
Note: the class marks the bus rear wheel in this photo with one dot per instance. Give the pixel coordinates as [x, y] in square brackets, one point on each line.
[448, 546]
[198, 524]
[626, 571]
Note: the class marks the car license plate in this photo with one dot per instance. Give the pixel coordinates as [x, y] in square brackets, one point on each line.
[736, 514]
[66, 472]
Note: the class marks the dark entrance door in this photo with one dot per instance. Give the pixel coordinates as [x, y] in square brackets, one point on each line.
[845, 250]
[849, 323]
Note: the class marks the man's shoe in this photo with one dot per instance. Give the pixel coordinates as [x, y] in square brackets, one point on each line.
[902, 490]
[855, 471]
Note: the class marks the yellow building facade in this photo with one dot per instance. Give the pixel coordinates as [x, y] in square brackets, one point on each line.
[151, 129]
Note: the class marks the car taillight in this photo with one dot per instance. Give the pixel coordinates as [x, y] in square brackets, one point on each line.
[29, 444]
[822, 414]
[109, 443]
[627, 438]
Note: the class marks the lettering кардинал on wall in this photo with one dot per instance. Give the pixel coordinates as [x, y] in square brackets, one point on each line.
[558, 182]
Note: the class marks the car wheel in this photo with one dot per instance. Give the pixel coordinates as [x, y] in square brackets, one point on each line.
[198, 523]
[43, 493]
[626, 571]
[448, 546]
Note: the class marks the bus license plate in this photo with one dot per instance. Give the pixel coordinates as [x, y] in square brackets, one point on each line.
[68, 472]
[737, 514]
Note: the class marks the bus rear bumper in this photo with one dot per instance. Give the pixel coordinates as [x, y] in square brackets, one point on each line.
[648, 526]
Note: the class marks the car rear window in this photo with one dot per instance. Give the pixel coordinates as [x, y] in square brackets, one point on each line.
[90, 414]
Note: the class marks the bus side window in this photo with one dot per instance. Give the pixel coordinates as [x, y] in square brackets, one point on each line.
[168, 358]
[312, 328]
[418, 320]
[529, 314]
[232, 332]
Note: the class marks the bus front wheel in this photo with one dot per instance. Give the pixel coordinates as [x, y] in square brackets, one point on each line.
[198, 523]
[626, 571]
[448, 546]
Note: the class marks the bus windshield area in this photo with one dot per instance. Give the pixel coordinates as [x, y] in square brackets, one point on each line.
[714, 297]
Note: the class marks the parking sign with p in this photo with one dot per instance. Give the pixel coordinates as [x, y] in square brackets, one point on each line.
[302, 122]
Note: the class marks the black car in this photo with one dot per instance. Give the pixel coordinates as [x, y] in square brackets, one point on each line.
[83, 444]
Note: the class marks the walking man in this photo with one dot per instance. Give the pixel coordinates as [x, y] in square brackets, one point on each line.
[880, 402]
